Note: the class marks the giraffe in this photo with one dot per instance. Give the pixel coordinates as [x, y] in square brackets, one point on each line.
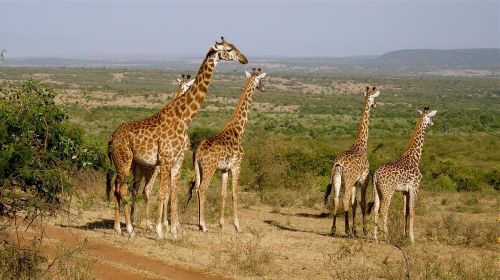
[352, 168]
[161, 140]
[225, 152]
[402, 175]
[149, 172]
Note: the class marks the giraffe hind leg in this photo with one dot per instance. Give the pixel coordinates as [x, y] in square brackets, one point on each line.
[336, 182]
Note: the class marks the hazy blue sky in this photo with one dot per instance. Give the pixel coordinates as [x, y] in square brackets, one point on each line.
[287, 28]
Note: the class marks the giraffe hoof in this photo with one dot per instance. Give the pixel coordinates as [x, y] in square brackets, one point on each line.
[118, 229]
[159, 232]
[333, 233]
[203, 228]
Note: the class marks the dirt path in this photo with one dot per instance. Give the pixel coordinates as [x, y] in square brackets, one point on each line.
[115, 262]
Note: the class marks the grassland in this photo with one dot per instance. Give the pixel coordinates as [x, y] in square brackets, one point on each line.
[296, 129]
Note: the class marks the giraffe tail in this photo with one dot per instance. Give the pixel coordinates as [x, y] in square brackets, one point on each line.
[337, 169]
[109, 172]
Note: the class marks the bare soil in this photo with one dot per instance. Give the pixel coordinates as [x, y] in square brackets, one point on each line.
[283, 243]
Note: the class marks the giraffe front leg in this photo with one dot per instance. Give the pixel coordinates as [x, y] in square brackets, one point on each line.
[412, 202]
[235, 172]
[162, 197]
[223, 197]
[174, 206]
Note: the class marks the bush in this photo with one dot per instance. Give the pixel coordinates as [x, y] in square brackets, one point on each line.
[467, 184]
[37, 147]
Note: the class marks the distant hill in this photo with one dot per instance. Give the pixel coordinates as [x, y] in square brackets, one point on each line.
[456, 62]
[457, 57]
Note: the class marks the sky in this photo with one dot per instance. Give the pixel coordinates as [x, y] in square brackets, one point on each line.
[257, 28]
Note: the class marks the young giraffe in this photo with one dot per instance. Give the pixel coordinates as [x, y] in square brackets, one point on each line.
[352, 168]
[224, 152]
[149, 172]
[402, 175]
[161, 140]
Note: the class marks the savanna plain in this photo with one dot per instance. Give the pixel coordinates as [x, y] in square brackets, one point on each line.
[295, 130]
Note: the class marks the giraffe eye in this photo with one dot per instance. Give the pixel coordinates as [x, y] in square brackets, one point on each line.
[229, 50]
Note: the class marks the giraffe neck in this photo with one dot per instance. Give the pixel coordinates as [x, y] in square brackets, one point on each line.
[414, 150]
[239, 119]
[184, 108]
[362, 138]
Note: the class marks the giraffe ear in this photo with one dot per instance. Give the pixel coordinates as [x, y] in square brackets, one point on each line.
[364, 93]
[262, 76]
[376, 94]
[190, 83]
[247, 74]
[419, 112]
[432, 114]
[179, 80]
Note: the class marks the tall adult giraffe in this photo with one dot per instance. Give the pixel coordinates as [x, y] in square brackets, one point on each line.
[148, 172]
[352, 168]
[225, 152]
[402, 175]
[161, 140]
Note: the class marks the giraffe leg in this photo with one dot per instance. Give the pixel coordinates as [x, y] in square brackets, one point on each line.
[354, 205]
[174, 204]
[123, 191]
[150, 179]
[138, 173]
[337, 182]
[235, 173]
[349, 185]
[384, 210]
[118, 199]
[162, 196]
[376, 207]
[412, 202]
[406, 212]
[205, 181]
[364, 187]
[223, 197]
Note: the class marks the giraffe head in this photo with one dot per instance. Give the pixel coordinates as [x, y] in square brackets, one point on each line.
[370, 95]
[227, 51]
[257, 79]
[427, 116]
[184, 84]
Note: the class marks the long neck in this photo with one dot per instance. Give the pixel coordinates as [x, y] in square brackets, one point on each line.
[362, 139]
[414, 150]
[186, 107]
[239, 119]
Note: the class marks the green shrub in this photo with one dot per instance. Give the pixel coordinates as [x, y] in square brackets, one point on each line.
[37, 146]
[467, 184]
